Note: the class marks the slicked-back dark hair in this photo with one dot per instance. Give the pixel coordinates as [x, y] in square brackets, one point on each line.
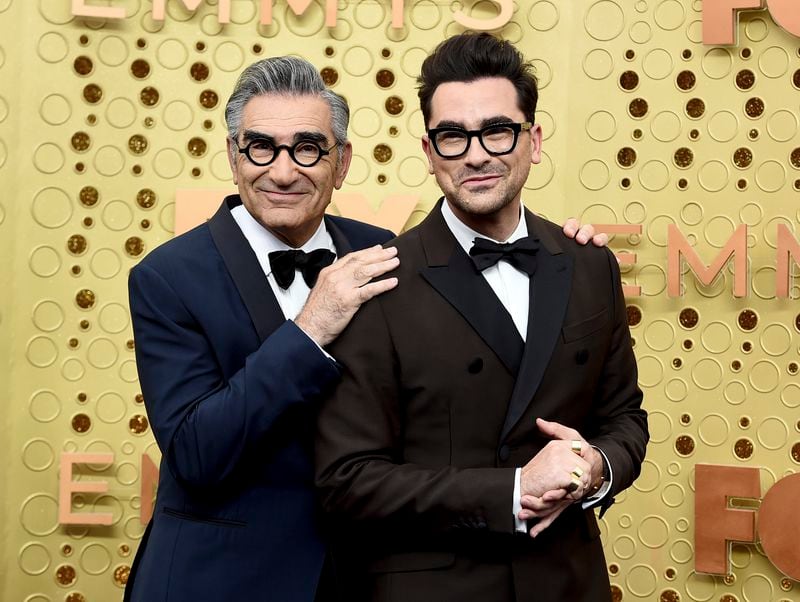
[470, 56]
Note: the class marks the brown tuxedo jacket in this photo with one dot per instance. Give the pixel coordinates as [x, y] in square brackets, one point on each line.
[417, 446]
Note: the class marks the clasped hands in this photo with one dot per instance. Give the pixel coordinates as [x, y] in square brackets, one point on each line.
[558, 475]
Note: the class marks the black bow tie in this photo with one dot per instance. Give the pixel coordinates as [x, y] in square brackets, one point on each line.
[520, 253]
[284, 263]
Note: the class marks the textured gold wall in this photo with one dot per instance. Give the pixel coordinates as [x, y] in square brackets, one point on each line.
[101, 121]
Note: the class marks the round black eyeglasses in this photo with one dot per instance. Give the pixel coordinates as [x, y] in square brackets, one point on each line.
[305, 153]
[496, 139]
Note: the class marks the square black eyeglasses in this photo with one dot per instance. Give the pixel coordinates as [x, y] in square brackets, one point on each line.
[496, 139]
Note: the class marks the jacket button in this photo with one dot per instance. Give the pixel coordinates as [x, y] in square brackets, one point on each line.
[475, 366]
[504, 453]
[581, 356]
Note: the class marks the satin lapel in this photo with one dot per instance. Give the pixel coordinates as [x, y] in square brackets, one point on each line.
[343, 246]
[549, 295]
[451, 272]
[243, 266]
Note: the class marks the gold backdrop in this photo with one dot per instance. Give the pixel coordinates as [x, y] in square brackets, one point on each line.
[102, 121]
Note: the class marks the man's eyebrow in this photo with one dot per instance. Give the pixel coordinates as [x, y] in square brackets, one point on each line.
[493, 120]
[250, 135]
[317, 137]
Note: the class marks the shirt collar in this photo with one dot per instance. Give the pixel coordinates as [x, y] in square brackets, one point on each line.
[466, 235]
[264, 242]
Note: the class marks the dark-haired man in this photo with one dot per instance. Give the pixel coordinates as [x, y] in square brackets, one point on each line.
[498, 384]
[229, 328]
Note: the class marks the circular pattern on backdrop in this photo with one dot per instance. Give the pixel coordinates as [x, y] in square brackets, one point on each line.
[34, 559]
[659, 335]
[713, 175]
[713, 430]
[651, 371]
[117, 215]
[168, 163]
[413, 171]
[771, 176]
[52, 47]
[57, 13]
[109, 161]
[38, 455]
[543, 15]
[595, 174]
[707, 373]
[171, 54]
[112, 51]
[127, 371]
[229, 57]
[44, 261]
[764, 376]
[102, 353]
[657, 64]
[55, 109]
[366, 122]
[676, 389]
[653, 531]
[654, 175]
[369, 16]
[782, 125]
[669, 15]
[774, 62]
[120, 113]
[641, 32]
[44, 406]
[105, 264]
[604, 20]
[666, 126]
[48, 158]
[39, 514]
[178, 115]
[723, 126]
[113, 318]
[95, 559]
[598, 64]
[425, 14]
[717, 63]
[641, 581]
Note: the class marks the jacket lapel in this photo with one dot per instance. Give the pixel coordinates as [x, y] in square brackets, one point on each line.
[549, 295]
[246, 272]
[451, 272]
[343, 246]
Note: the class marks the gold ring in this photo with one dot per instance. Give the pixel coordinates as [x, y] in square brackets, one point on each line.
[577, 446]
[573, 484]
[577, 472]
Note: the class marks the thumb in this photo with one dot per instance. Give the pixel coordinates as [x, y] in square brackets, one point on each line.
[555, 430]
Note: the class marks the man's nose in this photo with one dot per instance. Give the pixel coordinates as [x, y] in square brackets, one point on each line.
[283, 170]
[476, 154]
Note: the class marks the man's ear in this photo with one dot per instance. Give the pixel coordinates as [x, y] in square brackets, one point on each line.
[343, 165]
[536, 143]
[233, 150]
[426, 146]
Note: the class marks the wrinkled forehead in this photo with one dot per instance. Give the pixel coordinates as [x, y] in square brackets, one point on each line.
[283, 115]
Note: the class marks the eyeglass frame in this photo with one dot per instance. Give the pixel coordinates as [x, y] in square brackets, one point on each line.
[323, 152]
[516, 127]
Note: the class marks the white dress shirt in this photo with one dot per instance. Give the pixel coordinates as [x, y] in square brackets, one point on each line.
[511, 287]
[263, 242]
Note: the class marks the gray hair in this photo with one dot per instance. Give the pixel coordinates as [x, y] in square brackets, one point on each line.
[288, 75]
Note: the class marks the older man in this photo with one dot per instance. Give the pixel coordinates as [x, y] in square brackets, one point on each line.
[230, 320]
[498, 385]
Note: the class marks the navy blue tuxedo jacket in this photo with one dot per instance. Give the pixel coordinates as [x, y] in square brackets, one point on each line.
[231, 390]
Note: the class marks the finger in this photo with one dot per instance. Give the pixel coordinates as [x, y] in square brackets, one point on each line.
[368, 291]
[557, 431]
[600, 240]
[368, 255]
[536, 504]
[544, 523]
[585, 233]
[571, 227]
[365, 273]
[554, 495]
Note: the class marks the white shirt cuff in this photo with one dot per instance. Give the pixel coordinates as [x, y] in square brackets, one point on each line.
[519, 525]
[604, 488]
